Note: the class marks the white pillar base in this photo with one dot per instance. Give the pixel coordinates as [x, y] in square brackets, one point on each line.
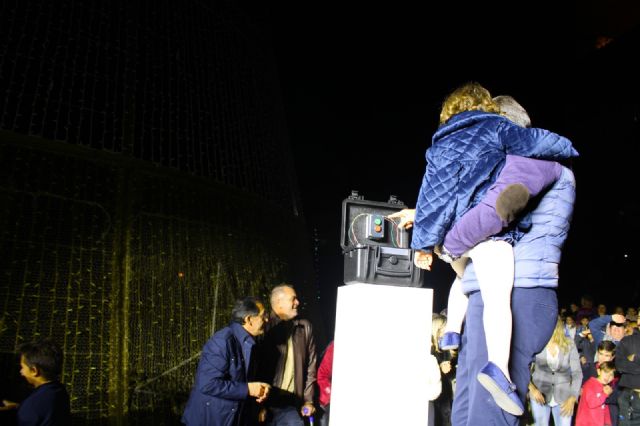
[382, 347]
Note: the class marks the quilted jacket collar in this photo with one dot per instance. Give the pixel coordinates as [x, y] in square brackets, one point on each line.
[461, 121]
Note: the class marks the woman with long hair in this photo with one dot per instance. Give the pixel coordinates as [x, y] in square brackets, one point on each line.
[556, 380]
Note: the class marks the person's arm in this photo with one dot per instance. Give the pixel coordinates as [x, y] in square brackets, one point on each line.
[213, 373]
[436, 205]
[310, 384]
[591, 396]
[598, 328]
[535, 143]
[627, 362]
[483, 221]
[325, 371]
[576, 371]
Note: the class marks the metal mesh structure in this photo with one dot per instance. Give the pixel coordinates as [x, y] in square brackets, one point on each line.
[189, 86]
[145, 183]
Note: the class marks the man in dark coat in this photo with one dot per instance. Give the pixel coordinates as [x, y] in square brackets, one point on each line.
[220, 394]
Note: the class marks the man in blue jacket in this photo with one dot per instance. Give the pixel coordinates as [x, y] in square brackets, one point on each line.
[220, 393]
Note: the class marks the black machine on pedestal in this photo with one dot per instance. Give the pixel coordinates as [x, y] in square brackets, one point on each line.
[375, 249]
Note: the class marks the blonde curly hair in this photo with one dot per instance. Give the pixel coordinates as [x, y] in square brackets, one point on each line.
[468, 97]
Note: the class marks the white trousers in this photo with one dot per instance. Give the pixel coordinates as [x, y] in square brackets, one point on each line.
[494, 265]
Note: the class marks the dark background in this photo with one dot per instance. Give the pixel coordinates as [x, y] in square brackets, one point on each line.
[363, 87]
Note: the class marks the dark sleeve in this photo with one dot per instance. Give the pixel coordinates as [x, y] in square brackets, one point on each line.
[214, 375]
[598, 326]
[310, 385]
[29, 414]
[623, 351]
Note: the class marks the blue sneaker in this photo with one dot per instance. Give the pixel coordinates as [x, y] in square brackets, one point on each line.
[449, 340]
[501, 389]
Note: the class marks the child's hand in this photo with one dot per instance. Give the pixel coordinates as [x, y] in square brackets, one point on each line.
[423, 260]
[607, 389]
[406, 218]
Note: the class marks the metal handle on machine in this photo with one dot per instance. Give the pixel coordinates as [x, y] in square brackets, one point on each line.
[380, 251]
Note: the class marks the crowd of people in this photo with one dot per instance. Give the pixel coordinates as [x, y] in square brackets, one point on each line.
[264, 368]
[588, 373]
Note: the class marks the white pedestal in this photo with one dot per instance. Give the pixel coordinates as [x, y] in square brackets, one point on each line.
[382, 346]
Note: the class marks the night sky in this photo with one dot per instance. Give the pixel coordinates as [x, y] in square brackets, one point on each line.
[362, 88]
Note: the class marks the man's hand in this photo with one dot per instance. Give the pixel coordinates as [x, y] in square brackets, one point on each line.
[619, 318]
[631, 357]
[423, 260]
[307, 409]
[566, 408]
[9, 405]
[406, 218]
[259, 390]
[583, 360]
[445, 366]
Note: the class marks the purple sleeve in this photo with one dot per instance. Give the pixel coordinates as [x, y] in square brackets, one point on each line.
[482, 221]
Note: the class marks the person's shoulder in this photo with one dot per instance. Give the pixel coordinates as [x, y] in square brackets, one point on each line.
[630, 339]
[220, 337]
[46, 396]
[304, 322]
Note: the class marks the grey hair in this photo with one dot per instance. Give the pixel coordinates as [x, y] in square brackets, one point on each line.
[247, 307]
[513, 110]
[278, 291]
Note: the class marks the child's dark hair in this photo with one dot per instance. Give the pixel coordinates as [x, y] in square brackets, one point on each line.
[45, 355]
[608, 346]
[607, 366]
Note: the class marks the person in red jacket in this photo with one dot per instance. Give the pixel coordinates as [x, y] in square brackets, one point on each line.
[325, 372]
[592, 410]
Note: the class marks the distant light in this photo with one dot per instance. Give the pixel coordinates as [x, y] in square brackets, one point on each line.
[602, 41]
[626, 255]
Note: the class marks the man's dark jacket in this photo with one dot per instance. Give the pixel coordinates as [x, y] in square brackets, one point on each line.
[630, 370]
[220, 392]
[272, 350]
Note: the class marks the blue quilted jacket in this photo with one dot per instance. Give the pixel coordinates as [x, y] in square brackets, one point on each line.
[467, 154]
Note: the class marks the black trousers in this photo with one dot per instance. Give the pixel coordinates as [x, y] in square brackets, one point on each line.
[629, 405]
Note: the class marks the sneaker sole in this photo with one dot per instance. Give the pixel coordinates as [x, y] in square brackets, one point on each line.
[449, 347]
[499, 396]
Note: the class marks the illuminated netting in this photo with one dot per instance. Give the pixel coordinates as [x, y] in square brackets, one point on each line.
[145, 183]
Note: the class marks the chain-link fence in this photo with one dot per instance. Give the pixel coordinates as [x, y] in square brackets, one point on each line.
[145, 182]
